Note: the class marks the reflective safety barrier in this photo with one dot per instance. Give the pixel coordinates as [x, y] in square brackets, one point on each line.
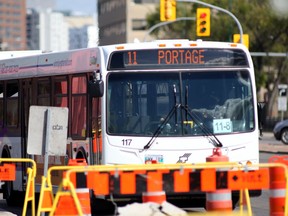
[159, 179]
[184, 178]
[8, 173]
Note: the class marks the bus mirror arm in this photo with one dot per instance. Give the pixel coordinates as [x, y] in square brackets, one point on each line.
[96, 76]
[96, 85]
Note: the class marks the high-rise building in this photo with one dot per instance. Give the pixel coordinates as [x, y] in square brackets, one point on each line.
[51, 30]
[122, 21]
[32, 21]
[83, 31]
[12, 25]
[47, 30]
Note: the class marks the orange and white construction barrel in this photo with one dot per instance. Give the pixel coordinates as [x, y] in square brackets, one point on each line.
[157, 197]
[220, 199]
[277, 186]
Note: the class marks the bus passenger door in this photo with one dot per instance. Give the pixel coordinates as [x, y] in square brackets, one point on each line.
[96, 131]
[26, 101]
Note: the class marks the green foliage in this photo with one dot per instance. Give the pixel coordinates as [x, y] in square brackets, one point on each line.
[267, 31]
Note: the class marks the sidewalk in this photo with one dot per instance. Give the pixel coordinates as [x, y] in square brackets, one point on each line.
[268, 143]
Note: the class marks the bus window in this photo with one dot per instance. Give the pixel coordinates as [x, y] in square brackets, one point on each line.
[79, 106]
[1, 103]
[138, 102]
[43, 94]
[12, 103]
[60, 92]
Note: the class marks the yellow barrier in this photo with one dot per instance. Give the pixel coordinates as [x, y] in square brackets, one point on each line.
[30, 188]
[46, 197]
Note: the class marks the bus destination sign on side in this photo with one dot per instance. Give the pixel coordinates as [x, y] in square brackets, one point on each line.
[177, 58]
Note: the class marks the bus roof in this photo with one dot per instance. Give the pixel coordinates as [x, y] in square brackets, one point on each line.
[175, 43]
[20, 53]
[49, 64]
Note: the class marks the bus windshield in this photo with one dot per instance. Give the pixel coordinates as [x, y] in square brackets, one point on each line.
[180, 103]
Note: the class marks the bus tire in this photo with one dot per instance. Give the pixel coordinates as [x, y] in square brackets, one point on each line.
[13, 198]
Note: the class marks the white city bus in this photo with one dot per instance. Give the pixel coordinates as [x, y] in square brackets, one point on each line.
[170, 101]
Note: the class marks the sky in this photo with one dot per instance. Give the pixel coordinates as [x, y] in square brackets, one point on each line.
[86, 6]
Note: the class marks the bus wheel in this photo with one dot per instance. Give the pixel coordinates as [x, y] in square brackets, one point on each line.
[12, 197]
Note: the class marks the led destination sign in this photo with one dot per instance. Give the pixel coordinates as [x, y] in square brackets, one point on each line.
[178, 58]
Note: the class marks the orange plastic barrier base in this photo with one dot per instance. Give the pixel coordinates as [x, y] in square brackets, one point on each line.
[66, 206]
[47, 200]
[84, 199]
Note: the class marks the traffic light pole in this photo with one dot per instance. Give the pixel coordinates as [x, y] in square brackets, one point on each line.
[220, 9]
[166, 23]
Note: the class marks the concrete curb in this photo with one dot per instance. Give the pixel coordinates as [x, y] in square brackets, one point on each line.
[273, 148]
[269, 144]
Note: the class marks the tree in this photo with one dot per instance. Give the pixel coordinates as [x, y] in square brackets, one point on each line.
[267, 33]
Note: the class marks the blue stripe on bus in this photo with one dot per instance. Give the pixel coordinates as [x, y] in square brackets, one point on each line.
[36, 66]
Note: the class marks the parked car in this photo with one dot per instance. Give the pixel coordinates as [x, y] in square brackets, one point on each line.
[281, 131]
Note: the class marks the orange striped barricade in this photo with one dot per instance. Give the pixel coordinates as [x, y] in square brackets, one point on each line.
[218, 199]
[138, 179]
[278, 183]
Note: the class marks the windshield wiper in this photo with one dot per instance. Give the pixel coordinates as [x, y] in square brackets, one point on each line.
[164, 121]
[160, 127]
[208, 134]
[216, 142]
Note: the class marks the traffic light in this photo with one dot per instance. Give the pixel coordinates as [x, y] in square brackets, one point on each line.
[203, 22]
[167, 10]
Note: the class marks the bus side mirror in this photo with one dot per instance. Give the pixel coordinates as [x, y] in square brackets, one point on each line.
[96, 85]
[96, 88]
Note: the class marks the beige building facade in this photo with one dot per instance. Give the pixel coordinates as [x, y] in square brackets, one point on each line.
[122, 21]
